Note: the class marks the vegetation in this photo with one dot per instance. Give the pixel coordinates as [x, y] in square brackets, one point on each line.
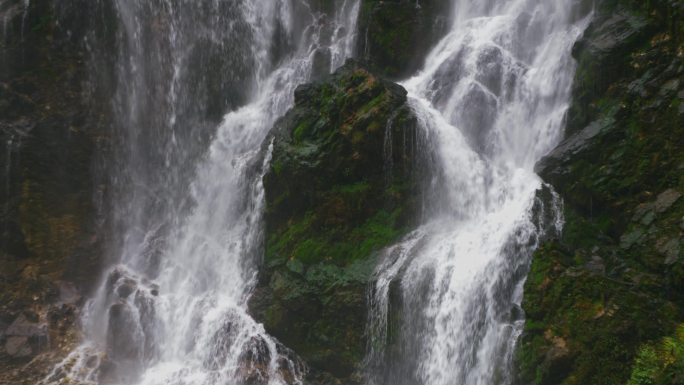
[597, 297]
[660, 363]
[343, 184]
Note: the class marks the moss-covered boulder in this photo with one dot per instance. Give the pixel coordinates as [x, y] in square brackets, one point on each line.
[343, 182]
[614, 280]
[396, 35]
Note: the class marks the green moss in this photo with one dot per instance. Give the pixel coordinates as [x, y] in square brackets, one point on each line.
[660, 363]
[353, 189]
[277, 167]
[305, 241]
[300, 131]
[278, 243]
[310, 251]
[601, 322]
[329, 210]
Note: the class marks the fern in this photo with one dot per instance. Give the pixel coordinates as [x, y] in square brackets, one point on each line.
[660, 363]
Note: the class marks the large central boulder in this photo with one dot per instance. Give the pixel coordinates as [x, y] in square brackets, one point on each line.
[342, 184]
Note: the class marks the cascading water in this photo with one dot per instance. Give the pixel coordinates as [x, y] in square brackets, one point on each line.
[187, 197]
[492, 95]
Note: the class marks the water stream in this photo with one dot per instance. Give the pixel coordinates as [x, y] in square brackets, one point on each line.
[493, 94]
[197, 87]
[187, 197]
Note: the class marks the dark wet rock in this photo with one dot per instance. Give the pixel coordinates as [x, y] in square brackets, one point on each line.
[18, 347]
[222, 342]
[555, 166]
[255, 355]
[147, 315]
[343, 183]
[254, 363]
[321, 63]
[48, 140]
[68, 293]
[666, 199]
[113, 278]
[629, 239]
[601, 54]
[123, 339]
[477, 115]
[3, 327]
[612, 282]
[126, 288]
[25, 337]
[669, 248]
[217, 91]
[50, 128]
[396, 35]
[26, 327]
[596, 265]
[108, 372]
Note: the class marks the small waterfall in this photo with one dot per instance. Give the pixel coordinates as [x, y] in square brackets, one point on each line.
[186, 198]
[493, 94]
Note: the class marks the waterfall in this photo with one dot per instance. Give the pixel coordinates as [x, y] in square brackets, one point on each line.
[186, 198]
[195, 88]
[493, 94]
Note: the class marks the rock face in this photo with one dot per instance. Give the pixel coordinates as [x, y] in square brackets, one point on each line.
[598, 298]
[396, 35]
[343, 182]
[24, 337]
[49, 132]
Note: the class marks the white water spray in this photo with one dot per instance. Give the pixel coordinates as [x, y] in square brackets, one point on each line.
[493, 95]
[172, 310]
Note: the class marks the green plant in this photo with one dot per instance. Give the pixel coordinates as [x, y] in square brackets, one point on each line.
[660, 363]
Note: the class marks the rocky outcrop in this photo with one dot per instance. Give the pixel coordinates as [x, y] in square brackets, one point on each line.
[396, 35]
[49, 131]
[343, 182]
[612, 284]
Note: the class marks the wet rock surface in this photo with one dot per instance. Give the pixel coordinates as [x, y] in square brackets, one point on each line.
[48, 133]
[612, 284]
[396, 35]
[343, 183]
[25, 338]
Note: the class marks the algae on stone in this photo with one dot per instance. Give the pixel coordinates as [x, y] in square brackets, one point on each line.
[343, 183]
[614, 279]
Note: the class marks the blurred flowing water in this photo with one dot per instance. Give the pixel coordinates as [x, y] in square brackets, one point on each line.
[197, 86]
[492, 95]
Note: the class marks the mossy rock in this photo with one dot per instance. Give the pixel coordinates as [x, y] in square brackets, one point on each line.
[395, 36]
[660, 363]
[343, 182]
[50, 129]
[613, 281]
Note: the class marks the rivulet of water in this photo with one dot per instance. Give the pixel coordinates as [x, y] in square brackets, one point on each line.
[198, 85]
[493, 94]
